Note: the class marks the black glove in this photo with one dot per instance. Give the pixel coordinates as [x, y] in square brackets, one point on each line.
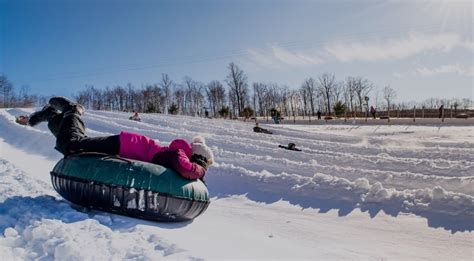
[200, 160]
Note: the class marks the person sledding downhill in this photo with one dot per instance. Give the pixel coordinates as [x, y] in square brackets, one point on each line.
[64, 120]
[262, 130]
[135, 117]
[291, 146]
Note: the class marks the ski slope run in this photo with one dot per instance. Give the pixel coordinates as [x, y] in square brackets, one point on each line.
[395, 183]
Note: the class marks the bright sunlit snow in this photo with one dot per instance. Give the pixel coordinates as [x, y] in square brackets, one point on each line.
[353, 192]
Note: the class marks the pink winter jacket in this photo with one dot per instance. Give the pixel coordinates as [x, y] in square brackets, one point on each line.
[176, 156]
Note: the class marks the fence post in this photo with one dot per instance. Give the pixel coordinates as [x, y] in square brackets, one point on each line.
[388, 114]
[423, 112]
[451, 116]
[414, 113]
[442, 115]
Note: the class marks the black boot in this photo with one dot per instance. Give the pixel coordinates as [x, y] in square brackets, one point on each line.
[45, 114]
[71, 136]
[65, 105]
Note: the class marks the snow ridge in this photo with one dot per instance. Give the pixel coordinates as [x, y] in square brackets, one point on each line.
[40, 225]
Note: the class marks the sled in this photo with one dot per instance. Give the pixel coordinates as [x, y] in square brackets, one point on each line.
[129, 187]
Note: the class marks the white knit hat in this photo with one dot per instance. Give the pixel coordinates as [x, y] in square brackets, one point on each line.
[200, 148]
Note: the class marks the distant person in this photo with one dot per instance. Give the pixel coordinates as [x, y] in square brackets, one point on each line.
[319, 114]
[135, 117]
[441, 108]
[206, 113]
[291, 146]
[261, 130]
[276, 119]
[190, 160]
[373, 111]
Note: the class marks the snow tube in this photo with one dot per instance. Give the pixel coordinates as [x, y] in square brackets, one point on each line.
[129, 187]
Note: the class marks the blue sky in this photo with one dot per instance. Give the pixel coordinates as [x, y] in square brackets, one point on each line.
[422, 49]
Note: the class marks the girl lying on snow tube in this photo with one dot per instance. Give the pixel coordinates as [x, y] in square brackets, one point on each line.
[191, 161]
[108, 184]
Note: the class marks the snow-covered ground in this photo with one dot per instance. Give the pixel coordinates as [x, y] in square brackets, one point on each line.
[354, 192]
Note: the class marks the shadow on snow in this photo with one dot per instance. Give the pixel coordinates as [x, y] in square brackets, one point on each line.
[345, 202]
[21, 211]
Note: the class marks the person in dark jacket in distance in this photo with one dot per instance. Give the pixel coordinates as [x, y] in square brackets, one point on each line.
[373, 111]
[64, 120]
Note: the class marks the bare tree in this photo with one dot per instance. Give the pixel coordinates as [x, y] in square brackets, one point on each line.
[327, 84]
[152, 97]
[349, 93]
[6, 89]
[179, 97]
[304, 99]
[309, 85]
[285, 100]
[273, 98]
[338, 92]
[198, 97]
[108, 99]
[233, 103]
[24, 99]
[294, 99]
[215, 96]
[362, 88]
[131, 106]
[120, 96]
[259, 92]
[166, 84]
[194, 98]
[389, 95]
[137, 100]
[238, 88]
[93, 98]
[467, 103]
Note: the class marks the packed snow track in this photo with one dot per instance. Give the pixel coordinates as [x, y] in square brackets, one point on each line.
[353, 192]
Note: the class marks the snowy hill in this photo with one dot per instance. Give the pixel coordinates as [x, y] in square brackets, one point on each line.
[353, 192]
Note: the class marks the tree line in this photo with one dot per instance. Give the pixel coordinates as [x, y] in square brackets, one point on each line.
[10, 98]
[235, 97]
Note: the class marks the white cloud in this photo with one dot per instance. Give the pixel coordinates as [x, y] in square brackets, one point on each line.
[468, 45]
[294, 59]
[278, 57]
[397, 75]
[446, 69]
[410, 45]
[261, 59]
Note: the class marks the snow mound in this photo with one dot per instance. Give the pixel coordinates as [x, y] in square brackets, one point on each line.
[37, 224]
